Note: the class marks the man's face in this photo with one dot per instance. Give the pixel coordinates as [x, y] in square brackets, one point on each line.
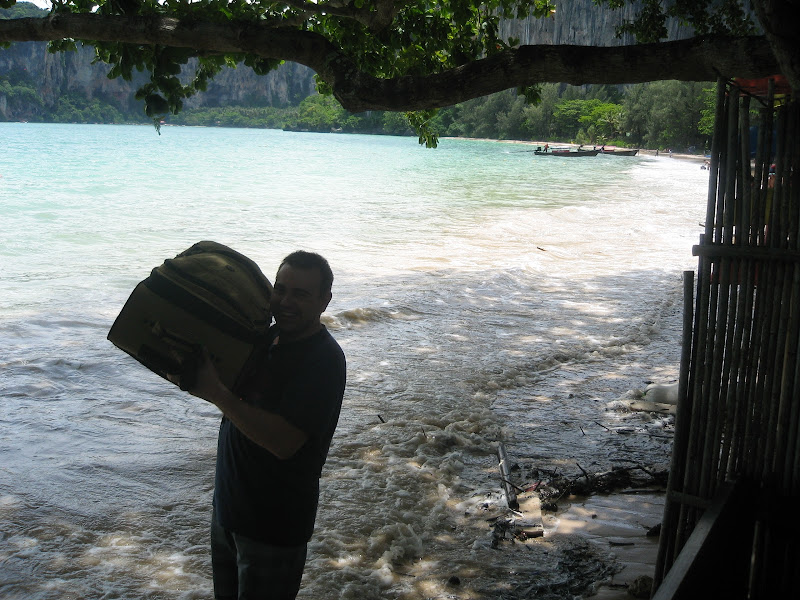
[297, 302]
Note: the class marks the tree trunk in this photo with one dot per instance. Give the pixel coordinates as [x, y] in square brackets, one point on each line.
[781, 22]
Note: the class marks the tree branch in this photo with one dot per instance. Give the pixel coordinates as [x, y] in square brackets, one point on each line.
[686, 60]
[696, 59]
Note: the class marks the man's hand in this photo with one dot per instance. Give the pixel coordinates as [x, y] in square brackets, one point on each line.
[268, 430]
[207, 384]
[200, 377]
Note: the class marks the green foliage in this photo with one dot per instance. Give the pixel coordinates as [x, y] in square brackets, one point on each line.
[605, 120]
[665, 114]
[661, 114]
[395, 124]
[320, 113]
[422, 123]
[657, 115]
[10, 10]
[234, 116]
[707, 113]
[74, 108]
[19, 94]
[705, 16]
[589, 121]
[567, 116]
[531, 93]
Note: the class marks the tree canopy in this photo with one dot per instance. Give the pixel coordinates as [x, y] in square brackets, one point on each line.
[405, 55]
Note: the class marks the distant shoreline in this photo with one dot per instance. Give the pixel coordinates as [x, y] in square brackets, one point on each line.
[653, 152]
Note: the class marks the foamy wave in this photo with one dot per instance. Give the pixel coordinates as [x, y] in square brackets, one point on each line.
[356, 317]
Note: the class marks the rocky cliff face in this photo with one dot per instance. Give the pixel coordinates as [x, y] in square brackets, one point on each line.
[580, 23]
[54, 75]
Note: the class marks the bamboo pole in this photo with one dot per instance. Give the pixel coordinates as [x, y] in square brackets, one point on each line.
[731, 171]
[777, 407]
[766, 364]
[704, 301]
[712, 423]
[792, 465]
[757, 584]
[760, 178]
[769, 318]
[733, 372]
[787, 408]
[787, 411]
[746, 186]
[720, 123]
[777, 233]
[766, 149]
[707, 450]
[781, 295]
[683, 414]
[742, 334]
[740, 298]
[794, 448]
[790, 184]
[755, 379]
[697, 417]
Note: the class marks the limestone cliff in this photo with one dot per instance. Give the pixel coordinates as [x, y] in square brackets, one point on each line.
[55, 75]
[581, 23]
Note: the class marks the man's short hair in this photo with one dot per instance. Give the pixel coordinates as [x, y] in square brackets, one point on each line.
[300, 259]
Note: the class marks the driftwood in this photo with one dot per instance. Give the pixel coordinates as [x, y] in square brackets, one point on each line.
[505, 477]
[556, 486]
[551, 486]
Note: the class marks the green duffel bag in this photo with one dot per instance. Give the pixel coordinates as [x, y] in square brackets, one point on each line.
[208, 295]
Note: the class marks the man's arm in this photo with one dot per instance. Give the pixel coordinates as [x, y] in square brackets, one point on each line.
[268, 430]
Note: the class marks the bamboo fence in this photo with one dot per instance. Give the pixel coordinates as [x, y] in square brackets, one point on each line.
[739, 413]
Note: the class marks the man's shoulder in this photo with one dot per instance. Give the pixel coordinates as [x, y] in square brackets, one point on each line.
[326, 344]
[321, 346]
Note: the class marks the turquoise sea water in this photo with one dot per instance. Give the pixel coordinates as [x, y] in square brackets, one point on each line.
[481, 294]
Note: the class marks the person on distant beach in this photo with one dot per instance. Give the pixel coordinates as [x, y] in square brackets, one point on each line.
[274, 440]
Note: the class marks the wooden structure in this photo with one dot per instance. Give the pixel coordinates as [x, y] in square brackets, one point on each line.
[730, 525]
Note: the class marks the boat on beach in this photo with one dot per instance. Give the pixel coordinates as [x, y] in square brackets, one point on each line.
[620, 151]
[566, 152]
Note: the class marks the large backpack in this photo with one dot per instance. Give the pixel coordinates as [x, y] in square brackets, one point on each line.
[208, 295]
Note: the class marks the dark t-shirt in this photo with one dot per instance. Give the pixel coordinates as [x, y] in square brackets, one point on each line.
[256, 494]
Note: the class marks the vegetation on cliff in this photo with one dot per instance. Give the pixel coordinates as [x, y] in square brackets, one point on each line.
[666, 114]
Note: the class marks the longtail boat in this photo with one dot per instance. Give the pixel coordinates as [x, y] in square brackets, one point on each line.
[568, 153]
[620, 152]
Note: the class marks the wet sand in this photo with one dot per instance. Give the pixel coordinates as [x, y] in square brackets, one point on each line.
[617, 523]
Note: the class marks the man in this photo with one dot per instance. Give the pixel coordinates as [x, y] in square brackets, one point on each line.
[274, 439]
